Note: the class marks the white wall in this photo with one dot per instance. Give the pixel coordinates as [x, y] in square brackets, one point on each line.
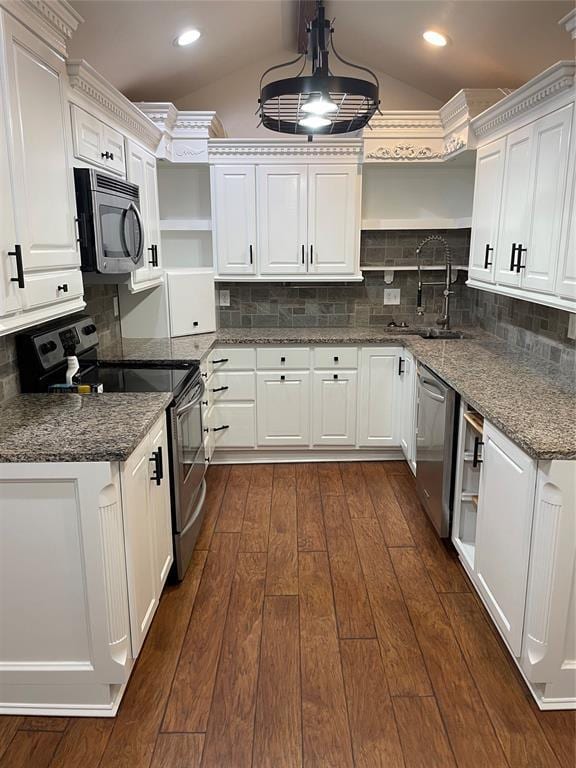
[235, 97]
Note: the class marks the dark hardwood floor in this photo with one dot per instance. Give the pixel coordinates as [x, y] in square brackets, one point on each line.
[321, 624]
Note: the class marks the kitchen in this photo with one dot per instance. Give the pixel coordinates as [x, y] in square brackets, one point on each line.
[287, 391]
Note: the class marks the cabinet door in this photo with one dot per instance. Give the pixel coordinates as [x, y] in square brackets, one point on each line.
[377, 397]
[486, 210]
[334, 408]
[114, 145]
[282, 215]
[333, 219]
[140, 533]
[514, 211]
[234, 218]
[407, 406]
[551, 139]
[10, 294]
[566, 280]
[503, 530]
[43, 183]
[142, 171]
[283, 412]
[191, 302]
[88, 135]
[160, 509]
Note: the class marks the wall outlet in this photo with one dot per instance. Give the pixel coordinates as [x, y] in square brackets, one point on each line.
[391, 295]
[224, 298]
[116, 306]
[572, 326]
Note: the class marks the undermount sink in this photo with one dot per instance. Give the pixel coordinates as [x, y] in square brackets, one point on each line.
[439, 333]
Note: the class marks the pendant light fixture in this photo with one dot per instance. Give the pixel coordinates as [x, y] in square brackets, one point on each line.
[322, 102]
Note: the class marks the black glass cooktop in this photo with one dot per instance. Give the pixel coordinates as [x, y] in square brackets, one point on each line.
[136, 378]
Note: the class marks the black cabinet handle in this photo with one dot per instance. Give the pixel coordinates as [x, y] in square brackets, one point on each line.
[335, 377]
[158, 473]
[282, 378]
[487, 262]
[336, 359]
[219, 429]
[311, 254]
[17, 252]
[400, 366]
[63, 288]
[303, 256]
[222, 360]
[251, 255]
[513, 258]
[205, 402]
[154, 260]
[220, 389]
[520, 250]
[282, 359]
[111, 155]
[476, 458]
[206, 429]
[195, 323]
[107, 155]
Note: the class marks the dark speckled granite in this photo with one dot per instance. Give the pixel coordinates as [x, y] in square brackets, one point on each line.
[106, 427]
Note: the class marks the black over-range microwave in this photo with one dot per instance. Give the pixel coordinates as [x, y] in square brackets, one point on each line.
[110, 225]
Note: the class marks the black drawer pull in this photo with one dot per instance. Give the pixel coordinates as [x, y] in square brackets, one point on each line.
[282, 359]
[303, 256]
[222, 360]
[154, 260]
[335, 377]
[63, 287]
[282, 378]
[336, 359]
[220, 389]
[400, 366]
[311, 254]
[17, 252]
[251, 256]
[219, 429]
[476, 458]
[487, 262]
[195, 323]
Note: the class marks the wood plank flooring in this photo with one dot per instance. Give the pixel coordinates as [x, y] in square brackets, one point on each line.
[321, 624]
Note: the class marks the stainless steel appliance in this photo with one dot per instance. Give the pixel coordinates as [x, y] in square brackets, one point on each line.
[435, 444]
[42, 362]
[110, 227]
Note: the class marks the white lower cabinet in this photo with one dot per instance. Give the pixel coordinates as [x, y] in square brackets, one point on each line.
[283, 407]
[94, 542]
[334, 407]
[377, 402]
[233, 425]
[407, 406]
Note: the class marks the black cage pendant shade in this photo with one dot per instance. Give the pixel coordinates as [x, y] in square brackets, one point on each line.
[321, 103]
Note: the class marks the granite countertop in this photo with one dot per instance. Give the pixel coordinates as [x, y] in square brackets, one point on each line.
[61, 427]
[517, 393]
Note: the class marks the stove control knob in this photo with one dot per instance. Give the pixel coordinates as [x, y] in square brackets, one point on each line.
[88, 330]
[47, 347]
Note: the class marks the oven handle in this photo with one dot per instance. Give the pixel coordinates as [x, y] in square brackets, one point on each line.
[193, 402]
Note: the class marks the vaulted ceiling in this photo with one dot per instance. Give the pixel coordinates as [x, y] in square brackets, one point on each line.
[493, 42]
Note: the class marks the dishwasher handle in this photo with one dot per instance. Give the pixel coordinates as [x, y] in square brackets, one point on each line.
[435, 393]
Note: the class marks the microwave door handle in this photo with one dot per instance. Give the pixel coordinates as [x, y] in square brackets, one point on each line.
[193, 402]
[134, 208]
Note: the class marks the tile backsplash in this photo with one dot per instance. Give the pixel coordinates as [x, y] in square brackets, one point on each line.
[99, 304]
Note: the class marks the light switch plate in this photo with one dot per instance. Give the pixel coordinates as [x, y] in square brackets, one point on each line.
[224, 298]
[391, 295]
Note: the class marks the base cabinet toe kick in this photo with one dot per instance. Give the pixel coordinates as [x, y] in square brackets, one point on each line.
[514, 526]
[86, 550]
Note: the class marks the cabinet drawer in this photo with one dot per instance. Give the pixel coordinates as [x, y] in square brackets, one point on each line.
[52, 287]
[233, 385]
[335, 357]
[278, 358]
[239, 422]
[233, 358]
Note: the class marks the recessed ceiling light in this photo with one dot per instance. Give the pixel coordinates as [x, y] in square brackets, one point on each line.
[187, 37]
[435, 38]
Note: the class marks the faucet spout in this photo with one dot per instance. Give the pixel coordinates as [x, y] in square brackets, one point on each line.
[444, 319]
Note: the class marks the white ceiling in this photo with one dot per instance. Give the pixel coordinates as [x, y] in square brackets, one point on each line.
[494, 42]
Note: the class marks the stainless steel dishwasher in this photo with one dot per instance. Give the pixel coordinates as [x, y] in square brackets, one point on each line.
[437, 408]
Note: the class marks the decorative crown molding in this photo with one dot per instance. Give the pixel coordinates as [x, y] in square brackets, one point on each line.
[183, 124]
[404, 152]
[90, 83]
[569, 23]
[549, 84]
[54, 21]
[219, 149]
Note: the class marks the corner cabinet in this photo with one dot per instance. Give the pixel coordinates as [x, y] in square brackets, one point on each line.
[283, 210]
[142, 171]
[522, 243]
[96, 553]
[40, 257]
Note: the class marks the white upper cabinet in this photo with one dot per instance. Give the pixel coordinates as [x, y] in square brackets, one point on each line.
[551, 140]
[282, 200]
[486, 210]
[504, 527]
[524, 192]
[142, 171]
[234, 218]
[333, 219]
[96, 143]
[43, 184]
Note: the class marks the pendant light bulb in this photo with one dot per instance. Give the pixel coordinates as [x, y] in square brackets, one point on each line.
[319, 104]
[314, 121]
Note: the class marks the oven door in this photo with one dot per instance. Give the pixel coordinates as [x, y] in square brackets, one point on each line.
[188, 454]
[119, 233]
